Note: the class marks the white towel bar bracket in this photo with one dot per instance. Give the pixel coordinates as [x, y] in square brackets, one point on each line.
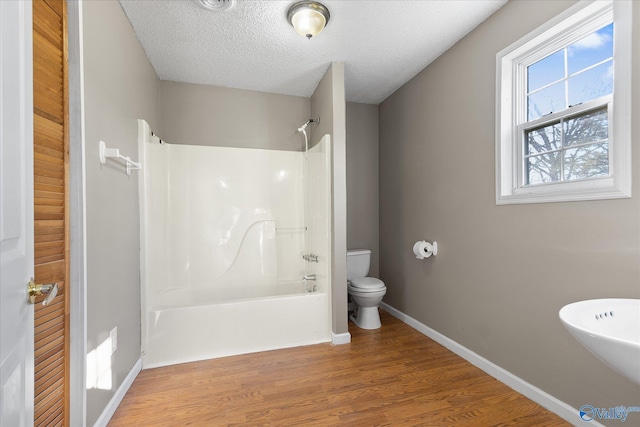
[114, 153]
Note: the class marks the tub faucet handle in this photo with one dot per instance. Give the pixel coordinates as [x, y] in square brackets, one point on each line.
[310, 257]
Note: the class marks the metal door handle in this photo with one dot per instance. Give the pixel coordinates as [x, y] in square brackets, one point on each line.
[37, 289]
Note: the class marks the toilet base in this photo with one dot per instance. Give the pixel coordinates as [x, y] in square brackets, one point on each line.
[367, 318]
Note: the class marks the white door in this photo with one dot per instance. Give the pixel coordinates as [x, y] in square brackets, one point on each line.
[16, 213]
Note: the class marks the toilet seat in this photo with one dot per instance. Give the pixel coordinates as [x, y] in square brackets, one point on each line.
[367, 284]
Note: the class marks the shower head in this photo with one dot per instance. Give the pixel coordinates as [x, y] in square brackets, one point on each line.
[304, 126]
[302, 130]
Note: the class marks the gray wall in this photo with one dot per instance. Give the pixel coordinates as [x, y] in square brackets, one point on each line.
[502, 272]
[328, 103]
[120, 86]
[362, 180]
[210, 115]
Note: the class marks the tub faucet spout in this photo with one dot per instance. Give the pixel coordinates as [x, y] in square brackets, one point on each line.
[309, 278]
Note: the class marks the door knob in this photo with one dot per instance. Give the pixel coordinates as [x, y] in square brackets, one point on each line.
[37, 289]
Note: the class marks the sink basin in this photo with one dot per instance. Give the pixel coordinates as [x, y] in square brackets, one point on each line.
[610, 329]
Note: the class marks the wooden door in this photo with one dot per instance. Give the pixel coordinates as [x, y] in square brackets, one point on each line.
[51, 213]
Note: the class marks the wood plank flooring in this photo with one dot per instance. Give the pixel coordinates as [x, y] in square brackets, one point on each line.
[393, 376]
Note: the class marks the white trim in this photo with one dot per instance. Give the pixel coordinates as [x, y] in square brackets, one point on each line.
[508, 109]
[530, 391]
[144, 132]
[77, 215]
[339, 339]
[113, 404]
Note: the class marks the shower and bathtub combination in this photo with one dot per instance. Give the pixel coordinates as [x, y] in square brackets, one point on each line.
[235, 249]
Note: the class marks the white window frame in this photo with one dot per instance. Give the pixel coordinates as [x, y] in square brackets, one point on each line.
[576, 22]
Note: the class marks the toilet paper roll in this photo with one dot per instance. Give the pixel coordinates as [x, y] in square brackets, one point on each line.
[422, 249]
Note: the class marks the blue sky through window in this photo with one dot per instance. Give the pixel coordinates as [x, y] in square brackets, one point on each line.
[568, 77]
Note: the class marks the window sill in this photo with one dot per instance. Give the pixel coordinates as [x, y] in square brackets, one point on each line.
[544, 194]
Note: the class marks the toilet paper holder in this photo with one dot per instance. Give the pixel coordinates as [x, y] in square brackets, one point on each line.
[423, 249]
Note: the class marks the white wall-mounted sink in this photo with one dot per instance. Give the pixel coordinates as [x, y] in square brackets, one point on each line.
[610, 329]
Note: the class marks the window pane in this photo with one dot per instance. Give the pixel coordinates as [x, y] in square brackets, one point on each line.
[543, 139]
[587, 161]
[591, 49]
[543, 168]
[590, 127]
[591, 84]
[546, 101]
[545, 71]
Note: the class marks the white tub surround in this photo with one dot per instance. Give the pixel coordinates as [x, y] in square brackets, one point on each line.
[223, 232]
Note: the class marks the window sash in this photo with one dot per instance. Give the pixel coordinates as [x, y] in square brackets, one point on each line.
[576, 111]
[560, 117]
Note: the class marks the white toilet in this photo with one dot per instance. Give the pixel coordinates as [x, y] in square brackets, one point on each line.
[366, 292]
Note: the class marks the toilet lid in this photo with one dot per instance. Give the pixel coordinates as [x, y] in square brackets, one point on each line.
[367, 283]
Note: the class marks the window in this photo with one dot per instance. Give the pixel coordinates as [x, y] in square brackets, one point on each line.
[563, 109]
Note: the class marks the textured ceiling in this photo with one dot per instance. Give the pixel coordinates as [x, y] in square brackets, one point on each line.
[252, 46]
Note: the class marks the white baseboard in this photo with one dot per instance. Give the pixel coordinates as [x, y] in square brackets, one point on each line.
[339, 339]
[113, 404]
[532, 392]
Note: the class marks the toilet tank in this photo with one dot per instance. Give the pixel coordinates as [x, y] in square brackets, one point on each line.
[358, 261]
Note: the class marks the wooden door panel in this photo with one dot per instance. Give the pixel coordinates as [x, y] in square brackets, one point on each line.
[50, 270]
[51, 225]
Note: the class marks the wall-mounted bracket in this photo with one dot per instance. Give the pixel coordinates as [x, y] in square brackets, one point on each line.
[114, 153]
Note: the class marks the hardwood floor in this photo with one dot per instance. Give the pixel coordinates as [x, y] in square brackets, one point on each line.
[393, 376]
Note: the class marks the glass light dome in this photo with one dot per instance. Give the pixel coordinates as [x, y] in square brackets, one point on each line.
[308, 18]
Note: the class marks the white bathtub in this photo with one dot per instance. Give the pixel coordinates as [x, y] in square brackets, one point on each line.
[188, 326]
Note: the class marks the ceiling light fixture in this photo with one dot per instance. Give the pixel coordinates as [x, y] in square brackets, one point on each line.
[308, 18]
